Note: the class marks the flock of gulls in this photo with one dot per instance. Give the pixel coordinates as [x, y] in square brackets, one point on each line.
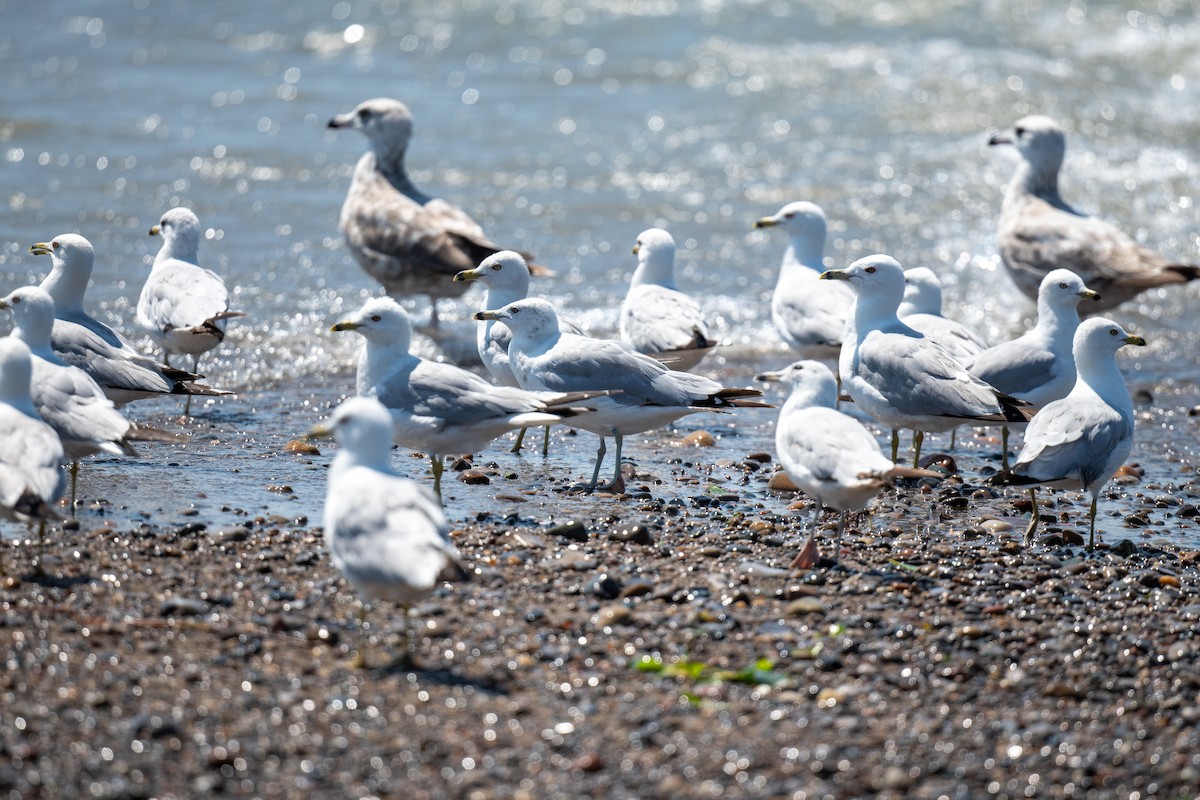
[872, 334]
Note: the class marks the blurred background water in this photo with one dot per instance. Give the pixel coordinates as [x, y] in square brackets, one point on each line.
[567, 128]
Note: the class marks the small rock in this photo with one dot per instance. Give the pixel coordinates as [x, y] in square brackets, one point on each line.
[474, 477]
[574, 530]
[698, 439]
[301, 447]
[804, 605]
[279, 488]
[762, 458]
[604, 586]
[994, 526]
[183, 607]
[641, 532]
[611, 615]
[780, 482]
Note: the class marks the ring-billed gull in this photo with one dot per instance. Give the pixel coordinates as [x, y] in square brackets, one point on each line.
[898, 376]
[385, 533]
[1080, 441]
[656, 318]
[1039, 232]
[810, 316]
[505, 276]
[66, 397]
[648, 394]
[183, 307]
[1038, 366]
[829, 455]
[410, 242]
[31, 455]
[921, 310]
[85, 342]
[440, 408]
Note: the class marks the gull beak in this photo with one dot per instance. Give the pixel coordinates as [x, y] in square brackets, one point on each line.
[486, 315]
[40, 249]
[834, 275]
[319, 431]
[1137, 340]
[1001, 138]
[767, 377]
[766, 222]
[344, 325]
[467, 275]
[636, 248]
[156, 230]
[341, 121]
[1090, 294]
[4, 304]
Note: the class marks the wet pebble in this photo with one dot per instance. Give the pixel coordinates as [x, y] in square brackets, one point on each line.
[574, 531]
[301, 447]
[604, 586]
[639, 532]
[698, 439]
[474, 477]
[780, 482]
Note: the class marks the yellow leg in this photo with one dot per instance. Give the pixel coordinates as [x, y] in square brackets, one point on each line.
[438, 468]
[1004, 447]
[74, 478]
[1092, 532]
[516, 448]
[1033, 520]
[918, 440]
[546, 442]
[895, 445]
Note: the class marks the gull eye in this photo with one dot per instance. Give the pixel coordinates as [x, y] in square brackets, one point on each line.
[1112, 331]
[55, 245]
[376, 318]
[1062, 286]
[363, 114]
[495, 266]
[16, 300]
[870, 270]
[788, 215]
[1020, 132]
[515, 310]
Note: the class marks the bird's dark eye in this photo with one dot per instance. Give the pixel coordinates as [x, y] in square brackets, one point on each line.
[1112, 331]
[788, 216]
[515, 311]
[1019, 132]
[1062, 286]
[375, 318]
[55, 245]
[16, 300]
[495, 266]
[363, 114]
[870, 270]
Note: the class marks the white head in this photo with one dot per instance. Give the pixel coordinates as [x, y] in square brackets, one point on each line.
[655, 249]
[811, 383]
[877, 280]
[387, 124]
[1097, 341]
[180, 230]
[505, 273]
[532, 319]
[801, 219]
[1062, 290]
[1040, 141]
[381, 321]
[363, 426]
[71, 258]
[922, 292]
[33, 310]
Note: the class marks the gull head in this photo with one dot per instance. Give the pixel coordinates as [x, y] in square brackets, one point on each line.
[68, 251]
[1040, 141]
[33, 310]
[387, 123]
[381, 320]
[504, 270]
[532, 317]
[922, 292]
[873, 276]
[655, 249]
[1097, 340]
[177, 223]
[362, 425]
[1063, 289]
[800, 218]
[808, 379]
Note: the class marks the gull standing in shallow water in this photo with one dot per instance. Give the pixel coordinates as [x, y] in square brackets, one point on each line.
[439, 408]
[829, 455]
[81, 340]
[656, 318]
[921, 310]
[505, 276]
[410, 242]
[66, 397]
[810, 316]
[385, 533]
[647, 395]
[900, 377]
[31, 455]
[1080, 441]
[183, 307]
[1038, 366]
[1039, 232]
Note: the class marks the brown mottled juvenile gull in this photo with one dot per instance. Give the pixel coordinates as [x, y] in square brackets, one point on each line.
[410, 242]
[1039, 232]
[1080, 441]
[83, 341]
[656, 318]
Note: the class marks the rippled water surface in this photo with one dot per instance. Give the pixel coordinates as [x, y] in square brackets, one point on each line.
[566, 129]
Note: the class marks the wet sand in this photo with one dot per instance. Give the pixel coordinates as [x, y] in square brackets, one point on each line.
[192, 639]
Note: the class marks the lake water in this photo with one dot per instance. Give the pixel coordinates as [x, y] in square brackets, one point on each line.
[567, 128]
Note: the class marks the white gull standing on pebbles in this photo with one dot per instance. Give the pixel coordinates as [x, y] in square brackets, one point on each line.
[83, 341]
[31, 455]
[810, 316]
[647, 395]
[1080, 441]
[898, 376]
[656, 318]
[439, 408]
[410, 242]
[829, 455]
[385, 533]
[505, 276]
[1039, 232]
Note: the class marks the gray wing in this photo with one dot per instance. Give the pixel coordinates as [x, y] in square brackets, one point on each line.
[181, 295]
[655, 319]
[1015, 367]
[916, 376]
[446, 392]
[958, 340]
[830, 447]
[110, 365]
[1071, 439]
[30, 457]
[76, 407]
